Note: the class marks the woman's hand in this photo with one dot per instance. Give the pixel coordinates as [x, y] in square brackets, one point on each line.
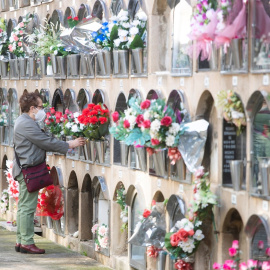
[77, 142]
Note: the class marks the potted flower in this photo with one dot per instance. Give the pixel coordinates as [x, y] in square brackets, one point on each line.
[137, 40]
[96, 119]
[3, 48]
[119, 37]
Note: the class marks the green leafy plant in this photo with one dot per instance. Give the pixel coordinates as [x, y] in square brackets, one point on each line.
[120, 199]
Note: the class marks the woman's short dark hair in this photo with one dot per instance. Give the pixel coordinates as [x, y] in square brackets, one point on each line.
[27, 100]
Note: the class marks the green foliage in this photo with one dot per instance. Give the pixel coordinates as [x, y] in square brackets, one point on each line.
[136, 43]
[114, 33]
[96, 132]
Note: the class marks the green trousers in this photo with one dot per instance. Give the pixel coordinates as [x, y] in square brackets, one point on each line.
[25, 215]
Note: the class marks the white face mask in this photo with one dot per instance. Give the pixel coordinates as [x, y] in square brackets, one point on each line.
[40, 115]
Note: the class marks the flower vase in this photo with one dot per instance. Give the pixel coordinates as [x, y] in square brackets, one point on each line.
[100, 150]
[213, 61]
[49, 70]
[104, 63]
[141, 154]
[237, 53]
[87, 65]
[159, 158]
[161, 260]
[264, 171]
[33, 67]
[61, 66]
[43, 64]
[74, 152]
[124, 153]
[115, 61]
[54, 64]
[87, 149]
[4, 68]
[14, 69]
[123, 57]
[237, 167]
[49, 222]
[138, 59]
[23, 62]
[73, 63]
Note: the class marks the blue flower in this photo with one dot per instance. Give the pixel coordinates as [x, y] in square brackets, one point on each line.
[115, 22]
[105, 24]
[94, 34]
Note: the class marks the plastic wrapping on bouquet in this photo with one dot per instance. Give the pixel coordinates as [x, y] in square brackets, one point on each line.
[124, 153]
[141, 154]
[73, 65]
[160, 161]
[100, 150]
[138, 59]
[237, 168]
[264, 171]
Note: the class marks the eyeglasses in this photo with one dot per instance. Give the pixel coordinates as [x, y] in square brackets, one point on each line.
[41, 107]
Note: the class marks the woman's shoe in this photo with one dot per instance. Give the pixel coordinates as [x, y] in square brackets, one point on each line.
[32, 249]
[18, 247]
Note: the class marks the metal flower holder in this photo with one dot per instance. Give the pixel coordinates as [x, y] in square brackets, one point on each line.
[34, 68]
[13, 5]
[213, 61]
[87, 65]
[264, 174]
[124, 150]
[59, 66]
[139, 62]
[178, 171]
[237, 169]
[24, 68]
[159, 163]
[120, 63]
[4, 5]
[43, 65]
[73, 66]
[100, 151]
[161, 260]
[14, 69]
[4, 135]
[72, 153]
[103, 63]
[90, 151]
[4, 69]
[141, 155]
[24, 3]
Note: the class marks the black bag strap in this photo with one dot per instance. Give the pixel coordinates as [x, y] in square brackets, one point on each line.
[17, 158]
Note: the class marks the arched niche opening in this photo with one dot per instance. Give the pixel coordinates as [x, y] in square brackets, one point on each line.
[257, 229]
[70, 100]
[135, 201]
[98, 97]
[56, 19]
[153, 94]
[83, 99]
[232, 229]
[4, 110]
[58, 225]
[181, 62]
[13, 111]
[120, 235]
[258, 109]
[86, 209]
[10, 26]
[72, 204]
[158, 197]
[234, 149]
[120, 107]
[102, 207]
[33, 24]
[83, 11]
[100, 10]
[58, 100]
[3, 183]
[133, 7]
[116, 6]
[70, 11]
[207, 111]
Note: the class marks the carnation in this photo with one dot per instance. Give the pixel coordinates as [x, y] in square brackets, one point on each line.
[170, 140]
[155, 126]
[174, 129]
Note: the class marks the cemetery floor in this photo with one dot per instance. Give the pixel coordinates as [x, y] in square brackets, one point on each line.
[56, 256]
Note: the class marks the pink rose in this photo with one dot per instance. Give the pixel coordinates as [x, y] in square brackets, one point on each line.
[20, 44]
[155, 141]
[232, 252]
[235, 244]
[216, 266]
[260, 245]
[115, 116]
[15, 38]
[146, 124]
[21, 24]
[174, 239]
[21, 32]
[166, 121]
[139, 120]
[267, 252]
[243, 266]
[126, 124]
[251, 263]
[52, 110]
[145, 104]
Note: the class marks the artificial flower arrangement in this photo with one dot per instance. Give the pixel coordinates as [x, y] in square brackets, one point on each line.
[120, 199]
[103, 36]
[50, 202]
[16, 39]
[3, 37]
[71, 126]
[96, 120]
[185, 237]
[148, 123]
[235, 261]
[101, 238]
[54, 122]
[72, 22]
[13, 186]
[233, 109]
[4, 202]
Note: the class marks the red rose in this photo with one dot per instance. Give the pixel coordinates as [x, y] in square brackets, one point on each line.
[76, 18]
[183, 234]
[146, 213]
[115, 116]
[166, 121]
[174, 239]
[93, 120]
[97, 107]
[69, 17]
[102, 120]
[47, 122]
[146, 124]
[58, 114]
[90, 106]
[57, 121]
[126, 124]
[155, 141]
[145, 104]
[52, 110]
[94, 112]
[139, 120]
[48, 114]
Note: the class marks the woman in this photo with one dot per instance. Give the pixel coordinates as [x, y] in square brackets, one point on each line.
[31, 144]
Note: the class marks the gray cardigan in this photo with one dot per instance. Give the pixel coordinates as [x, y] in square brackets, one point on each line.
[31, 143]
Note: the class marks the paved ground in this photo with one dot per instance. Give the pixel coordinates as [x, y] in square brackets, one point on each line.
[56, 257]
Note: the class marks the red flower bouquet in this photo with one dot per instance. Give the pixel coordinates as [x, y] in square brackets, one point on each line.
[54, 121]
[72, 22]
[96, 118]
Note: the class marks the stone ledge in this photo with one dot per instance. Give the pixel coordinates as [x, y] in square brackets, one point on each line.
[8, 226]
